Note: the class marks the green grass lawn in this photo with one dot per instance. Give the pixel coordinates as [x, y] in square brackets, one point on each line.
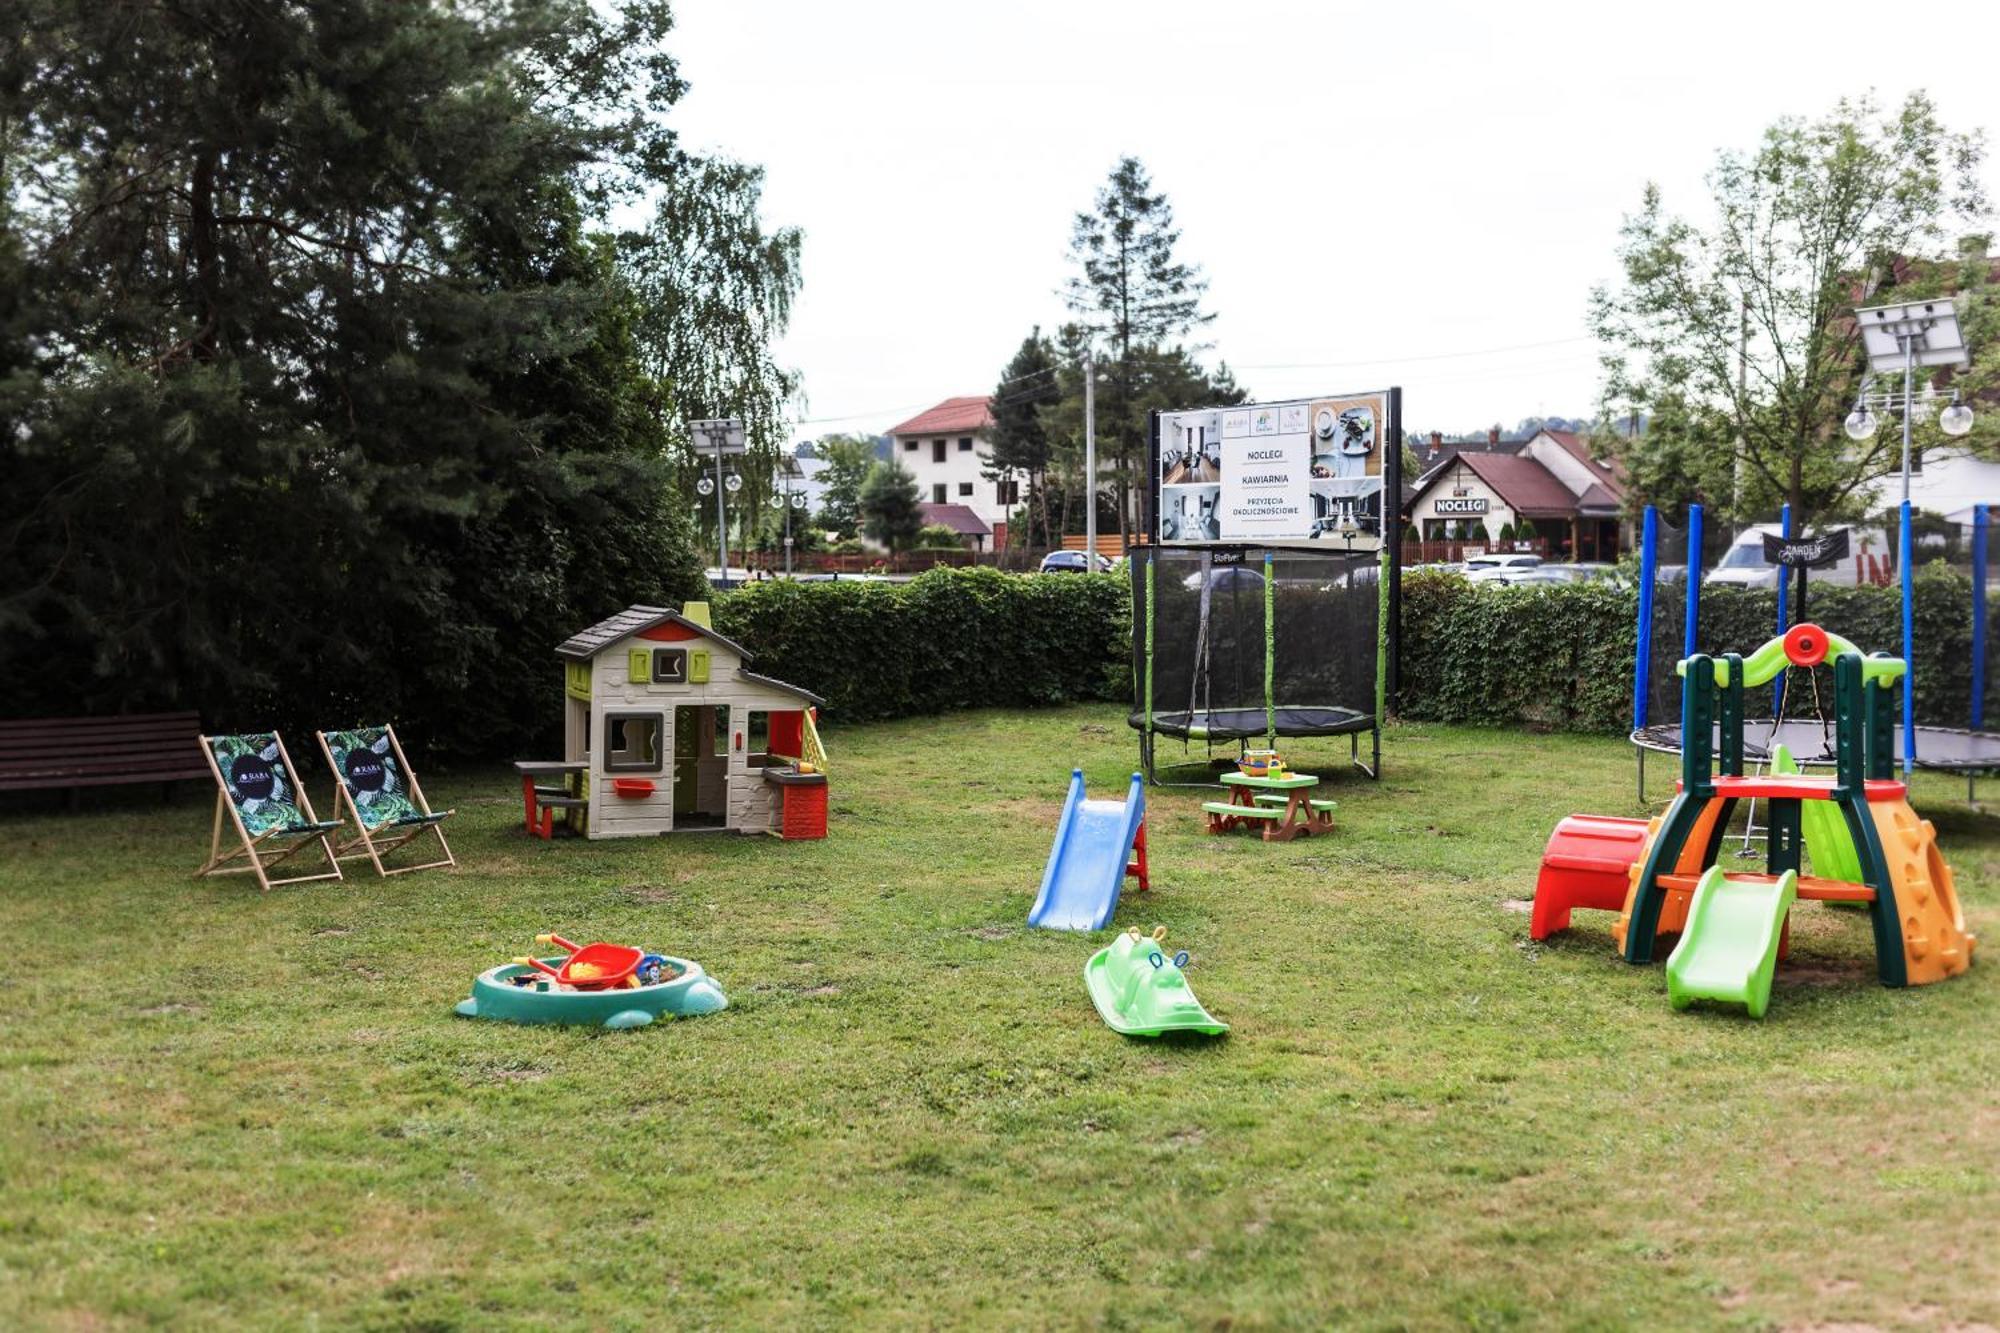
[225, 1108]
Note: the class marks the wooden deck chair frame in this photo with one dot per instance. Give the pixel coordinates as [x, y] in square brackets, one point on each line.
[363, 842]
[263, 852]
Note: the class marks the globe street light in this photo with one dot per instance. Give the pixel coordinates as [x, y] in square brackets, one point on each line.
[1916, 333]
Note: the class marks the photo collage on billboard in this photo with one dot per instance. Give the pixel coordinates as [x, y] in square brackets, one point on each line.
[1305, 472]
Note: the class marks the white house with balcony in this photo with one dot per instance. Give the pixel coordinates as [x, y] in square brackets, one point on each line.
[946, 449]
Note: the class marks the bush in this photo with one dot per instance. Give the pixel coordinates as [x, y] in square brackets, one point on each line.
[950, 638]
[1561, 656]
[938, 537]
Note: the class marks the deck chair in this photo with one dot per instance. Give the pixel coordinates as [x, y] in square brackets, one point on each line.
[374, 784]
[257, 788]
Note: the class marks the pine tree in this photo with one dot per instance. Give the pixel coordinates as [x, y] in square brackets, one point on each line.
[1020, 438]
[1131, 290]
[334, 390]
[890, 510]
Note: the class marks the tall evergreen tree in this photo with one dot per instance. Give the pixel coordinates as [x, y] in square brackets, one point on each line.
[1133, 291]
[890, 510]
[320, 392]
[1020, 438]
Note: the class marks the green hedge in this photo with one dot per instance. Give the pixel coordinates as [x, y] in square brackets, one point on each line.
[1555, 656]
[1561, 656]
[949, 638]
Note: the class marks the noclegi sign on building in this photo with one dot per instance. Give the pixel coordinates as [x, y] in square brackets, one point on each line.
[1459, 505]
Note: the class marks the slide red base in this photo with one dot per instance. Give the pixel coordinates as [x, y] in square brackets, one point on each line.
[1588, 863]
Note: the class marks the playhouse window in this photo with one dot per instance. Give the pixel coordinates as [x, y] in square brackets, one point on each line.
[721, 731]
[632, 742]
[756, 739]
[670, 666]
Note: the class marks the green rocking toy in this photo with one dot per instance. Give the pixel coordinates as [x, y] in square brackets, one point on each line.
[1141, 992]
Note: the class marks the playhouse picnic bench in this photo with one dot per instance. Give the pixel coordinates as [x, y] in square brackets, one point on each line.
[1282, 806]
[53, 753]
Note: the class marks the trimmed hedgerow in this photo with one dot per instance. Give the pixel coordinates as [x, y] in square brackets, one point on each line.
[950, 638]
[1556, 656]
[1561, 656]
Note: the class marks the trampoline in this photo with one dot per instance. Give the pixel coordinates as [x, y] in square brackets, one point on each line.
[1942, 749]
[1242, 724]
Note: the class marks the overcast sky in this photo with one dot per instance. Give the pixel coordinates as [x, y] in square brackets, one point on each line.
[1416, 194]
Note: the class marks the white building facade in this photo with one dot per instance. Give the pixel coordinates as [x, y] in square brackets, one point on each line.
[946, 450]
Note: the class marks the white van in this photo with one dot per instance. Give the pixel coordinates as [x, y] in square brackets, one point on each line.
[1871, 558]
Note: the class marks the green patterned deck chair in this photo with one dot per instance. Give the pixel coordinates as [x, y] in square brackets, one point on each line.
[374, 784]
[258, 791]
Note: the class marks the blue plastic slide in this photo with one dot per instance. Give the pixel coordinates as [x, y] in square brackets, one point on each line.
[1087, 865]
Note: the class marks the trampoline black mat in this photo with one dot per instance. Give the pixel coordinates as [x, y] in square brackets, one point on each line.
[1242, 724]
[1944, 748]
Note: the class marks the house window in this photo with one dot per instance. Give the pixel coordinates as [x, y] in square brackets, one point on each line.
[965, 488]
[756, 739]
[632, 742]
[670, 666]
[909, 446]
[937, 451]
[938, 493]
[1007, 493]
[722, 731]
[965, 444]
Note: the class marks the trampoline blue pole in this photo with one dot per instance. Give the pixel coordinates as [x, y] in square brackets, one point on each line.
[1976, 719]
[1693, 582]
[1903, 555]
[1784, 593]
[1642, 661]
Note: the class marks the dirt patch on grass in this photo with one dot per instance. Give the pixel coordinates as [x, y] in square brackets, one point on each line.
[154, 1010]
[1521, 905]
[650, 895]
[334, 930]
[520, 1074]
[992, 932]
[1828, 972]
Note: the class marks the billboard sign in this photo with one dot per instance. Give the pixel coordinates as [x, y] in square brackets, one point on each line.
[1302, 472]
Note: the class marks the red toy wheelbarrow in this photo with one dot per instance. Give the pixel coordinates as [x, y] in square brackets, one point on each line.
[598, 966]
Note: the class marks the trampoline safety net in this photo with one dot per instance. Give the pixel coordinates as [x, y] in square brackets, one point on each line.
[1226, 651]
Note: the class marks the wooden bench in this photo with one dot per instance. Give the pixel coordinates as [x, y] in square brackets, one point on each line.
[54, 753]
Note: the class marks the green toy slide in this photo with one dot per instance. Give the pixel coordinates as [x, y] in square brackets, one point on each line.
[1140, 991]
[1829, 845]
[1730, 945]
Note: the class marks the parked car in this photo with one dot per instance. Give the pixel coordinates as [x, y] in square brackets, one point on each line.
[1071, 562]
[1502, 560]
[1223, 578]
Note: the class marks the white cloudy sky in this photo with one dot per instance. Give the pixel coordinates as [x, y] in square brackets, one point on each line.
[1379, 193]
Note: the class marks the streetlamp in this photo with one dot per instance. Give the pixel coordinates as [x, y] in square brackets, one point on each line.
[1903, 337]
[783, 497]
[725, 435]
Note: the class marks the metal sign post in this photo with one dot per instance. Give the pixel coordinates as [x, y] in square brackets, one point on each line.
[726, 436]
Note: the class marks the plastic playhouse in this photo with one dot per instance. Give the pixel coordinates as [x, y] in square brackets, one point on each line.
[1140, 992]
[596, 985]
[1087, 865]
[1866, 845]
[666, 729]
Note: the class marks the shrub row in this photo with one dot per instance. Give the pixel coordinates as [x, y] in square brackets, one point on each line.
[1562, 656]
[1554, 656]
[950, 638]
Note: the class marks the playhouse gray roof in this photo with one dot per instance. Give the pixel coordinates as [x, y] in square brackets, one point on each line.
[807, 695]
[586, 644]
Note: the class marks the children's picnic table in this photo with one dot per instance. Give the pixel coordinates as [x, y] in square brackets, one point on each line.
[1283, 807]
[543, 802]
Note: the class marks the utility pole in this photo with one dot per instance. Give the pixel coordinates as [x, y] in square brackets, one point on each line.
[1089, 462]
[721, 523]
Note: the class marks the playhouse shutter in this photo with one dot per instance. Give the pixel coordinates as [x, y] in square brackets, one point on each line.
[698, 667]
[639, 666]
